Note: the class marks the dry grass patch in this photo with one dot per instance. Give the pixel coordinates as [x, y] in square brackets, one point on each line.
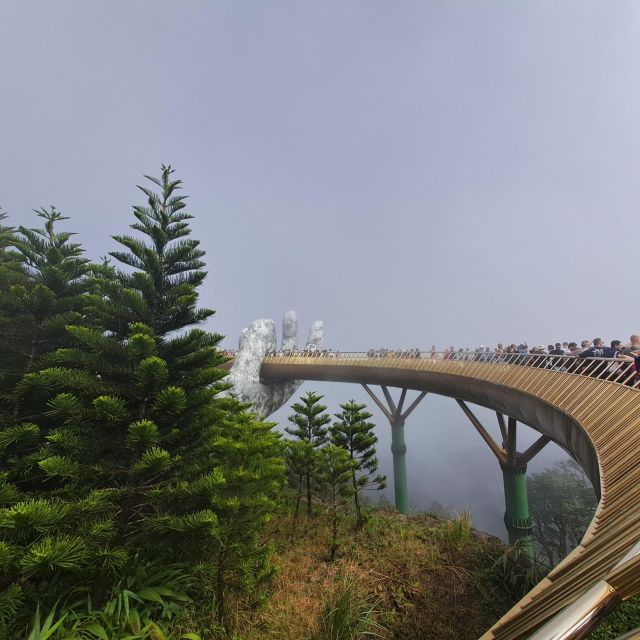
[427, 577]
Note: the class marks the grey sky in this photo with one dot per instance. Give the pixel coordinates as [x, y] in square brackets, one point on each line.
[411, 172]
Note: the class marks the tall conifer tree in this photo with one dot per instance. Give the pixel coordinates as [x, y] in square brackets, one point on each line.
[248, 454]
[354, 433]
[44, 283]
[336, 469]
[12, 273]
[124, 462]
[309, 420]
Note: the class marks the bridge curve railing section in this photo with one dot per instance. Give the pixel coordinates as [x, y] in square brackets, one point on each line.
[618, 370]
[600, 395]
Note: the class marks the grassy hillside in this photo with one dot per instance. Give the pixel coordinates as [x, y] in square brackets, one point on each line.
[416, 576]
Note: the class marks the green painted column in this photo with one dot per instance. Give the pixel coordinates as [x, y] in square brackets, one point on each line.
[399, 450]
[516, 515]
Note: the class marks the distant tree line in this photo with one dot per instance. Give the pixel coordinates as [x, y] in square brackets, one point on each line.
[562, 504]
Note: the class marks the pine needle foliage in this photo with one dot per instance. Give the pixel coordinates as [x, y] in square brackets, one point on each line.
[115, 449]
[301, 456]
[249, 456]
[309, 422]
[44, 285]
[11, 268]
[336, 469]
[159, 288]
[354, 433]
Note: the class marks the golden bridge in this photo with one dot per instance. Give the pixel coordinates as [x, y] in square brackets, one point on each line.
[589, 407]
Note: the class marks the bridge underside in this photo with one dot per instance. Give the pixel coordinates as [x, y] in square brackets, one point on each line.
[524, 407]
[597, 422]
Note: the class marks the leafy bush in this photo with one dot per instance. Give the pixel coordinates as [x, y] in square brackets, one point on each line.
[138, 607]
[515, 573]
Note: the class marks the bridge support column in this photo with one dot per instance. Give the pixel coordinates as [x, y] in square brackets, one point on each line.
[516, 514]
[399, 451]
[397, 419]
[514, 470]
[514, 478]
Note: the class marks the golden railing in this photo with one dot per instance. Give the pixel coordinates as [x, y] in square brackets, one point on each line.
[599, 395]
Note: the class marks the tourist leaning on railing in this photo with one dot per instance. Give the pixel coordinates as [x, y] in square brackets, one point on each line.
[616, 363]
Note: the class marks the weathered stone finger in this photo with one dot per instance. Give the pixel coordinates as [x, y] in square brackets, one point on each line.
[316, 334]
[290, 331]
[255, 342]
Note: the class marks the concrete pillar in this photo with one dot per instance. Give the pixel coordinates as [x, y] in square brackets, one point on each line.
[399, 451]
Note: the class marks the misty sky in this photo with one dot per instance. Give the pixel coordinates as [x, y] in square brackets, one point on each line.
[412, 173]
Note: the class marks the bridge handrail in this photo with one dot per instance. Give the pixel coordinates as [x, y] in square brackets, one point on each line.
[617, 370]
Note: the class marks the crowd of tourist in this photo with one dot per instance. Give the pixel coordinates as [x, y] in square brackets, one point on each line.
[595, 348]
[617, 362]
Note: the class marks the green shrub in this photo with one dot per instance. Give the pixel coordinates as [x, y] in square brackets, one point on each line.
[515, 573]
[348, 615]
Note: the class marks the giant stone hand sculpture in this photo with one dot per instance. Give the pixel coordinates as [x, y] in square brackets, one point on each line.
[256, 342]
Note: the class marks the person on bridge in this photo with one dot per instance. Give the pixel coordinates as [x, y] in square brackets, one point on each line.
[556, 350]
[598, 350]
[574, 349]
[633, 348]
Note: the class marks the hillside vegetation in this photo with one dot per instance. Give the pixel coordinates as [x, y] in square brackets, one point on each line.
[415, 576]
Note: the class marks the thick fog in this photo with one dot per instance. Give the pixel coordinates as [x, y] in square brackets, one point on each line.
[413, 173]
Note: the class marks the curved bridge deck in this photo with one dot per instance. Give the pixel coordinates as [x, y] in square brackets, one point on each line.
[596, 420]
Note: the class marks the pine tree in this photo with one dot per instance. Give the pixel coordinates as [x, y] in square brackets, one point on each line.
[301, 456]
[309, 420]
[12, 274]
[160, 287]
[248, 454]
[44, 285]
[136, 395]
[124, 459]
[336, 472]
[354, 433]
[46, 540]
[11, 267]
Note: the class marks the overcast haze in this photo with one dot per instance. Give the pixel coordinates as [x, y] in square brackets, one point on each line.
[412, 173]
